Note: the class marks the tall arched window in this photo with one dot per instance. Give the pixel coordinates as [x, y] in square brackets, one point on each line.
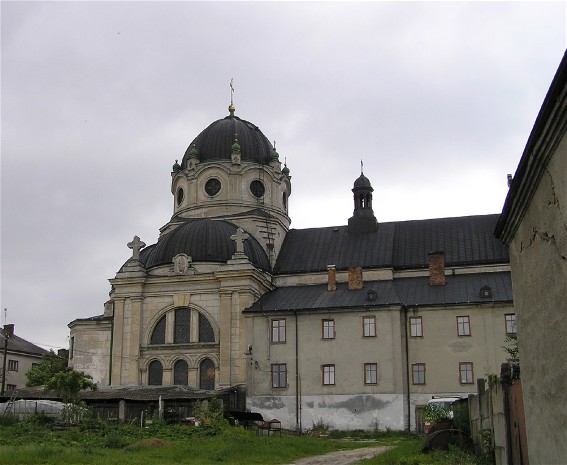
[206, 333]
[181, 373]
[158, 334]
[207, 374]
[155, 373]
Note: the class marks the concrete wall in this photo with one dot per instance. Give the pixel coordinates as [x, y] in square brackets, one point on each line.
[538, 255]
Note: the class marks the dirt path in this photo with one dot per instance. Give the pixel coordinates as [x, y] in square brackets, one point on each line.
[343, 457]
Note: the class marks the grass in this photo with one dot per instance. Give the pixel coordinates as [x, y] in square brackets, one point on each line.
[99, 443]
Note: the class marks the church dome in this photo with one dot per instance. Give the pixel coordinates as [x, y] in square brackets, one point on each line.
[362, 181]
[204, 240]
[215, 143]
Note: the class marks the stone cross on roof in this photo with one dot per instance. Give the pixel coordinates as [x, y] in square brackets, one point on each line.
[239, 238]
[136, 245]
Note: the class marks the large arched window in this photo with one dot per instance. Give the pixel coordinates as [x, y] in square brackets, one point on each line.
[158, 334]
[155, 373]
[181, 373]
[206, 333]
[207, 374]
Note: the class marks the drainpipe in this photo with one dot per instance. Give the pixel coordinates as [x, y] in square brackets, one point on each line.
[297, 419]
[408, 397]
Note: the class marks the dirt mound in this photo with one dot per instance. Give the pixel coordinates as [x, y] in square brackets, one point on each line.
[150, 443]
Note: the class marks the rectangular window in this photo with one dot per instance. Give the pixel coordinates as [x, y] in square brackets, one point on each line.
[182, 321]
[466, 373]
[369, 326]
[328, 374]
[510, 323]
[278, 330]
[328, 329]
[463, 326]
[370, 373]
[416, 330]
[418, 373]
[71, 347]
[279, 375]
[10, 387]
[12, 365]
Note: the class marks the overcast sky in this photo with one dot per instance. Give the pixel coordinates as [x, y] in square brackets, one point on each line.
[99, 99]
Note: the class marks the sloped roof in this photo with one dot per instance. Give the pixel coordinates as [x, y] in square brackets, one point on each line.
[465, 240]
[461, 289]
[20, 345]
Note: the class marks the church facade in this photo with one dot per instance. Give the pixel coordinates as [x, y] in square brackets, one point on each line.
[355, 326]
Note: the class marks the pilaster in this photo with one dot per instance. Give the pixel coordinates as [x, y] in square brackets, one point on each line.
[117, 338]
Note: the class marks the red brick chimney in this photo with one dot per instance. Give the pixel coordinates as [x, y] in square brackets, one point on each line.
[8, 330]
[331, 278]
[355, 278]
[436, 268]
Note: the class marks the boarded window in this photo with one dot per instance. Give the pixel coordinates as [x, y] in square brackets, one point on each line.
[155, 373]
[181, 373]
[207, 375]
[182, 319]
[158, 334]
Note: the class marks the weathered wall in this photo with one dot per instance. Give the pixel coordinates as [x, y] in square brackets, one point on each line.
[538, 255]
[91, 349]
[343, 412]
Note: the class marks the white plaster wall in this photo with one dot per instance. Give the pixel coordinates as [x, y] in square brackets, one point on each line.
[342, 412]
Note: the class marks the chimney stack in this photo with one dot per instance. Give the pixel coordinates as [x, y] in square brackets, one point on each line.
[355, 278]
[436, 268]
[8, 330]
[331, 278]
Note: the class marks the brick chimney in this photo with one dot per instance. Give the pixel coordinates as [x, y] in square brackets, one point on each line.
[436, 268]
[355, 278]
[331, 278]
[8, 330]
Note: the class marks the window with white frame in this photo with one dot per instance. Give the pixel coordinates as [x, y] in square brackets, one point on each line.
[369, 326]
[466, 373]
[279, 375]
[278, 330]
[463, 326]
[416, 328]
[370, 373]
[328, 327]
[328, 374]
[510, 319]
[418, 373]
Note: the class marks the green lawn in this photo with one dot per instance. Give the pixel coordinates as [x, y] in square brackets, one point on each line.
[98, 443]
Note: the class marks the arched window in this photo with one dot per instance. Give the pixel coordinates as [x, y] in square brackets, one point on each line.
[181, 373]
[158, 334]
[155, 373]
[207, 374]
[182, 319]
[284, 201]
[206, 333]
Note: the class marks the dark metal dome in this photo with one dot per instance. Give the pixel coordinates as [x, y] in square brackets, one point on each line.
[216, 142]
[204, 240]
[362, 181]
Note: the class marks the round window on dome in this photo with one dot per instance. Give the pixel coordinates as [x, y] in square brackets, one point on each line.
[257, 188]
[180, 196]
[212, 187]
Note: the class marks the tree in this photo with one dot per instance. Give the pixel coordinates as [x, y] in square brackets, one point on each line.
[50, 365]
[511, 348]
[67, 384]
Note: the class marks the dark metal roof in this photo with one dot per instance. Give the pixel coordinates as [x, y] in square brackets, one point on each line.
[91, 318]
[215, 142]
[317, 297]
[461, 289]
[465, 240]
[17, 344]
[203, 240]
[313, 249]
